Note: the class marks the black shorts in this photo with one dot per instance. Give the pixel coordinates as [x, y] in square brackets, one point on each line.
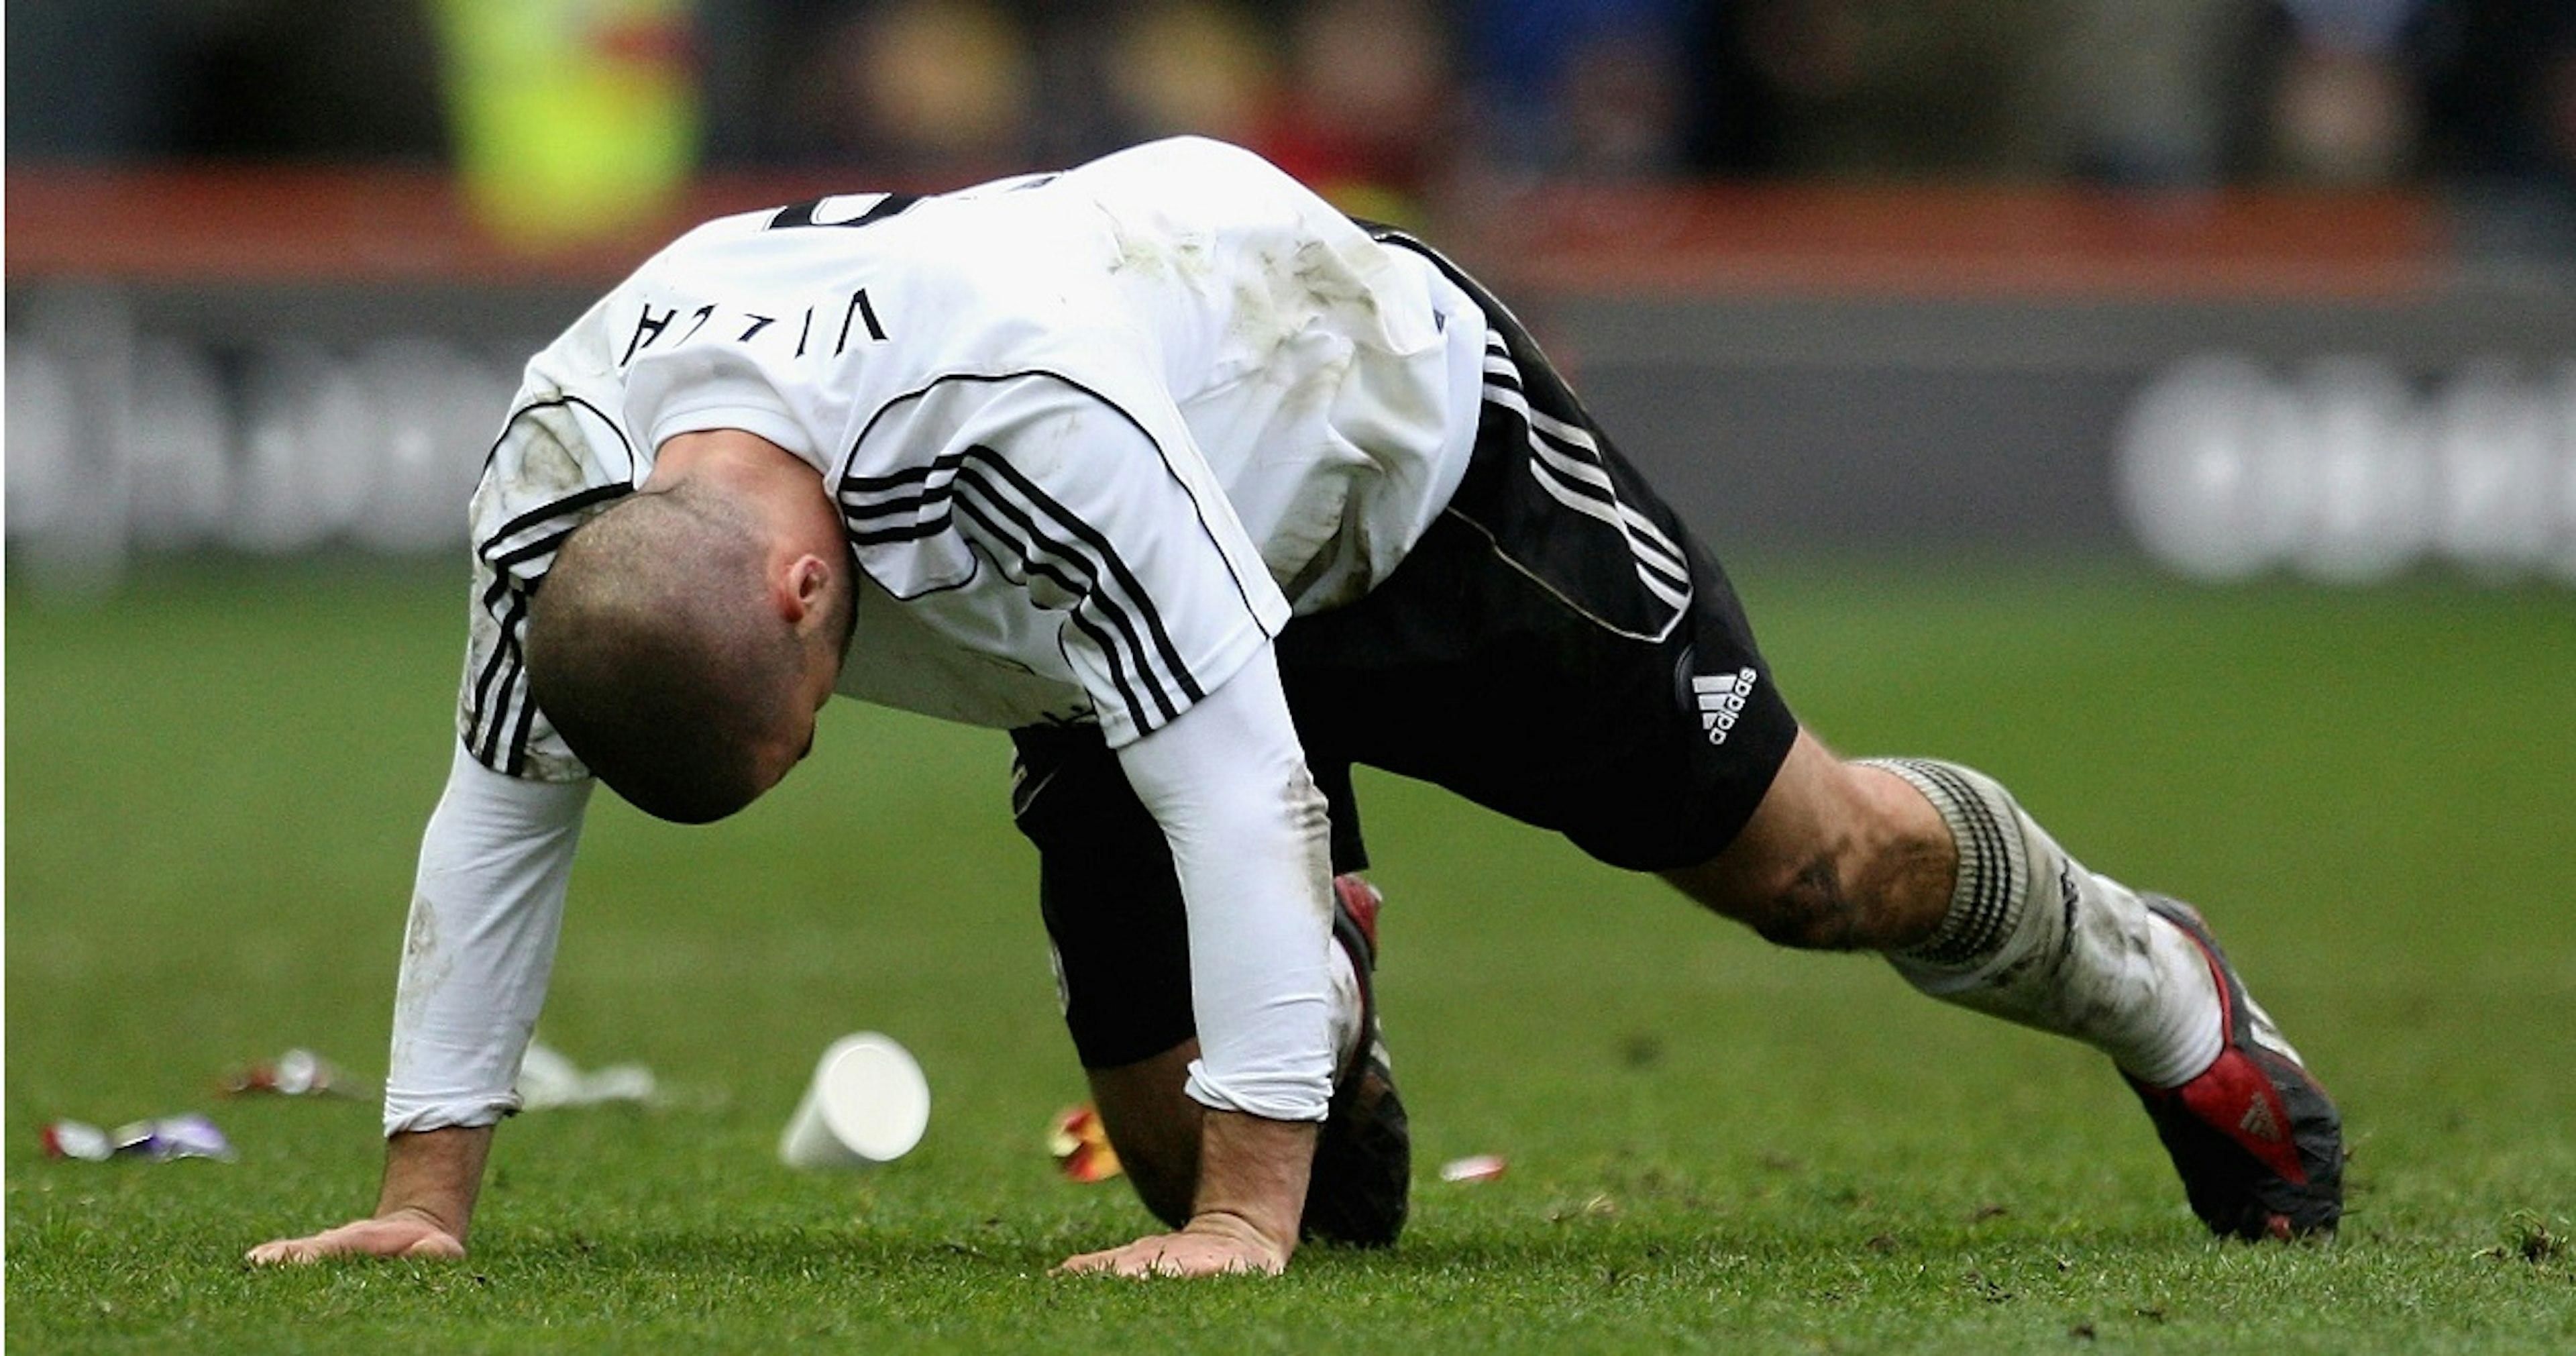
[1558, 647]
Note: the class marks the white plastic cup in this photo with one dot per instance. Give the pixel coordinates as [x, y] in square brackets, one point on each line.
[868, 1104]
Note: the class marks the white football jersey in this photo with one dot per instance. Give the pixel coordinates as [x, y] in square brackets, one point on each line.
[1094, 435]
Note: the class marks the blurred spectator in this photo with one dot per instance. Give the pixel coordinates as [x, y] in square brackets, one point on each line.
[923, 84]
[1075, 42]
[908, 87]
[2159, 93]
[1906, 87]
[574, 120]
[1731, 118]
[2120, 91]
[1590, 87]
[755, 67]
[2346, 106]
[1191, 66]
[1366, 114]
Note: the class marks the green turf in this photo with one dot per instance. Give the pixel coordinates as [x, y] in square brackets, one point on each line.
[216, 778]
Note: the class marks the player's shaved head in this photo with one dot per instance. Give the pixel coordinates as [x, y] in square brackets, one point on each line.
[653, 649]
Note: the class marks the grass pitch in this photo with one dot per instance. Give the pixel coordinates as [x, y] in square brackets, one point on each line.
[216, 781]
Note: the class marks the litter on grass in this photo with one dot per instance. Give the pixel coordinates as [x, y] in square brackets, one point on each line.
[1081, 1145]
[297, 1073]
[547, 1080]
[158, 1140]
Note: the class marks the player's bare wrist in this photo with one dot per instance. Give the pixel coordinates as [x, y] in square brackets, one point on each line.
[1252, 1180]
[433, 1176]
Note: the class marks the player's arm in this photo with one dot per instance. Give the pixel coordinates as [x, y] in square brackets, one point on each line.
[487, 906]
[1089, 499]
[1250, 841]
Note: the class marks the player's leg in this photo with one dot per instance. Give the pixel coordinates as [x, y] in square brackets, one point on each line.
[1974, 903]
[1153, 1128]
[1838, 856]
[1115, 917]
[1561, 648]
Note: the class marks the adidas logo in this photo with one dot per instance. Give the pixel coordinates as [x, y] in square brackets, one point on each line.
[1721, 699]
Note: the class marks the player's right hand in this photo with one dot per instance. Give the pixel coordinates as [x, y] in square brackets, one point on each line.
[402, 1234]
[1210, 1245]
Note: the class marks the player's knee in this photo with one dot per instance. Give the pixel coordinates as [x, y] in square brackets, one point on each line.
[1811, 907]
[1840, 863]
[1797, 899]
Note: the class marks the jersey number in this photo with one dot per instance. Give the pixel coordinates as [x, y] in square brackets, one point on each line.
[847, 209]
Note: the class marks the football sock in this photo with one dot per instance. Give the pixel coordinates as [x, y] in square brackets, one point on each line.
[2033, 937]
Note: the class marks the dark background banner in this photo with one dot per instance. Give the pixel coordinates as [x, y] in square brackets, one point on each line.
[2234, 383]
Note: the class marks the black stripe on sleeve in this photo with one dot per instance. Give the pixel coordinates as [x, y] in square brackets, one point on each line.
[492, 548]
[1011, 517]
[920, 501]
[500, 698]
[498, 682]
[1097, 612]
[1115, 569]
[1021, 539]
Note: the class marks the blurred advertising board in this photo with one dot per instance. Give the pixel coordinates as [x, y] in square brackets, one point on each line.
[294, 361]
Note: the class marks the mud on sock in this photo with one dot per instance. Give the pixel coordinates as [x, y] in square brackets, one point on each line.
[2033, 937]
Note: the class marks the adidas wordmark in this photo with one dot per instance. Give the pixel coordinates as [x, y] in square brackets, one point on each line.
[1721, 700]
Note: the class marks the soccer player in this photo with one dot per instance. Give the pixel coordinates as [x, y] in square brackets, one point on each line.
[1206, 493]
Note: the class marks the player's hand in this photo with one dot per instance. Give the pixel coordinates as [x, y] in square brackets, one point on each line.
[401, 1234]
[1209, 1245]
[424, 1210]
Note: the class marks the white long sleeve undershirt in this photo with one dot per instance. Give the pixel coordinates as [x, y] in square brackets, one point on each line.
[1249, 834]
[486, 908]
[1251, 841]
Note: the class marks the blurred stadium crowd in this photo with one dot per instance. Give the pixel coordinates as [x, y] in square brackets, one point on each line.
[1391, 101]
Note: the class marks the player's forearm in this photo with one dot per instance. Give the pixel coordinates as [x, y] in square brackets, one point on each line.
[1250, 840]
[487, 905]
[1252, 1178]
[435, 1176]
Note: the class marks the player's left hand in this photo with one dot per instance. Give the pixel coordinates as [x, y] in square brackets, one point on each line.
[1209, 1245]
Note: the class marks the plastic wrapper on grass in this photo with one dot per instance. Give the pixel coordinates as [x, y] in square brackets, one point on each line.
[158, 1140]
[547, 1080]
[1081, 1147]
[297, 1073]
[1474, 1168]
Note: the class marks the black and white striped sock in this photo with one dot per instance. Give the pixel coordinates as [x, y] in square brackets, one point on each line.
[2035, 938]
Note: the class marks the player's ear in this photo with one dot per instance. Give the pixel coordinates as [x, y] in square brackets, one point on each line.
[804, 586]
